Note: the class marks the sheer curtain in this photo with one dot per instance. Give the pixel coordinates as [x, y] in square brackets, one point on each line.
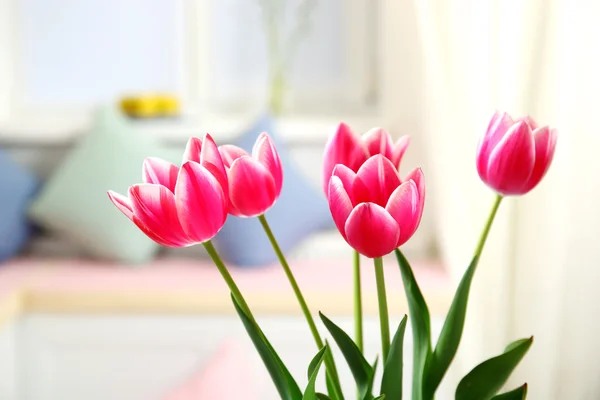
[540, 271]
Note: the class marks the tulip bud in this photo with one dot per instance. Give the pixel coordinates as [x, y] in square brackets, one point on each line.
[513, 156]
[255, 181]
[178, 207]
[345, 148]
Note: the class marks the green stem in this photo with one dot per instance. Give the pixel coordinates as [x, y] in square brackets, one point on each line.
[383, 309]
[277, 91]
[332, 372]
[235, 291]
[358, 318]
[488, 226]
[292, 279]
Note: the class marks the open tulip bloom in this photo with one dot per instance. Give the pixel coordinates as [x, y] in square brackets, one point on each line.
[375, 211]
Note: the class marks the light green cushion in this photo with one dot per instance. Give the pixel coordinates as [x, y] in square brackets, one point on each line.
[74, 202]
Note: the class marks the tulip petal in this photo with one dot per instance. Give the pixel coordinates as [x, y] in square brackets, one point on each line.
[403, 206]
[511, 162]
[156, 215]
[192, 150]
[498, 126]
[230, 153]
[371, 230]
[160, 172]
[346, 176]
[264, 152]
[399, 150]
[210, 158]
[379, 141]
[545, 143]
[251, 187]
[339, 204]
[530, 121]
[201, 204]
[232, 210]
[416, 175]
[375, 181]
[343, 147]
[122, 203]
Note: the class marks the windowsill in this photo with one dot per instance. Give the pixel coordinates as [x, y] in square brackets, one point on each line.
[177, 286]
[295, 129]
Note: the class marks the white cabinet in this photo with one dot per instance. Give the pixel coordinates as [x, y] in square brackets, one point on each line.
[135, 357]
[8, 363]
[113, 357]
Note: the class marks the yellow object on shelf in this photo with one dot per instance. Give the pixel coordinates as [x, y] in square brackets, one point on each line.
[150, 106]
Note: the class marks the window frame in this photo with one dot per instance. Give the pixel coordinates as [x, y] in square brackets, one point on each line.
[194, 73]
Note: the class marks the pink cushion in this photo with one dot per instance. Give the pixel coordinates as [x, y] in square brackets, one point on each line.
[226, 376]
[66, 275]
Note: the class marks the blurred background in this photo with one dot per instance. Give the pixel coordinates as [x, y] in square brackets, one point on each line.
[90, 308]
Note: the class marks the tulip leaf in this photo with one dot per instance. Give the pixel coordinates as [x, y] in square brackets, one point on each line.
[516, 344]
[331, 378]
[449, 338]
[369, 394]
[486, 379]
[421, 325]
[313, 372]
[315, 363]
[382, 397]
[331, 389]
[284, 382]
[321, 396]
[360, 368]
[391, 382]
[519, 393]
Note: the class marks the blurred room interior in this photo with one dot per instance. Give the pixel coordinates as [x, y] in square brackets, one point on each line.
[90, 308]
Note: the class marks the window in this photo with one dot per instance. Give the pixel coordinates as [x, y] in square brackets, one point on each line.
[74, 54]
[81, 52]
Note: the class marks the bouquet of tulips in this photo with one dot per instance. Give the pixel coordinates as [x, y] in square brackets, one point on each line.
[375, 211]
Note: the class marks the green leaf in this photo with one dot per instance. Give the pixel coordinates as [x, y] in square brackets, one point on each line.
[334, 388]
[330, 386]
[391, 382]
[313, 372]
[382, 397]
[486, 379]
[420, 321]
[286, 386]
[516, 344]
[360, 368]
[369, 394]
[449, 338]
[315, 363]
[322, 396]
[519, 393]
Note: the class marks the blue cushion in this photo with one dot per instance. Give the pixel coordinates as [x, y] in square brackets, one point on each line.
[17, 188]
[300, 211]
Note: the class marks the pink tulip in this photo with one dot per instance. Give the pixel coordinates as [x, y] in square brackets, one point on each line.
[255, 181]
[178, 207]
[344, 147]
[513, 156]
[373, 209]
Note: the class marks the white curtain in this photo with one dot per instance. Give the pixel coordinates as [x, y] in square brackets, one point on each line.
[540, 272]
